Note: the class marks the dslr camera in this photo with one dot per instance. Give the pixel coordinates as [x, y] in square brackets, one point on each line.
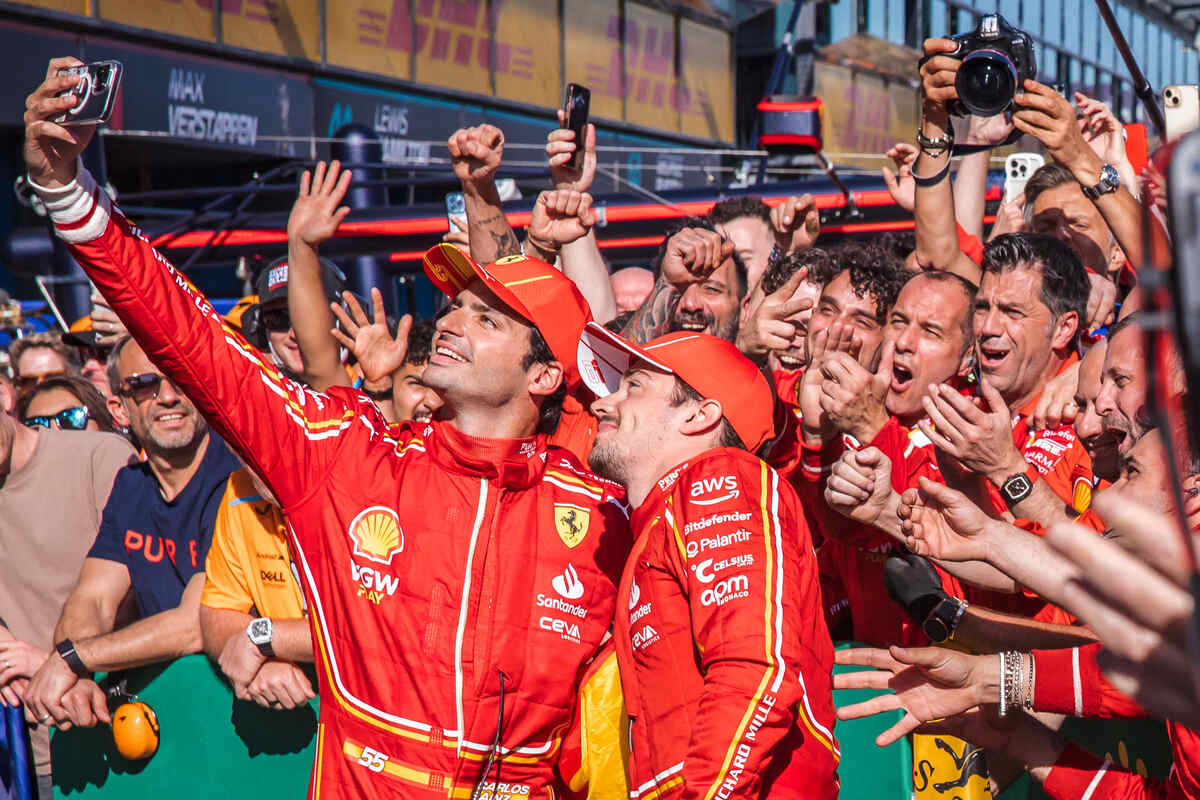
[996, 60]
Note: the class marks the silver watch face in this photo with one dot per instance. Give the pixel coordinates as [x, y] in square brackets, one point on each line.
[1110, 180]
[260, 631]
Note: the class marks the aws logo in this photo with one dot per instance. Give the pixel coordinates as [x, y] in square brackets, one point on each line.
[701, 490]
[376, 534]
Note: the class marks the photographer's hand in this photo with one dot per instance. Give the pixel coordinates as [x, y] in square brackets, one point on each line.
[1048, 117]
[938, 72]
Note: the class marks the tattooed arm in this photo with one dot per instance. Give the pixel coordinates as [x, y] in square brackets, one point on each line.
[475, 154]
[689, 256]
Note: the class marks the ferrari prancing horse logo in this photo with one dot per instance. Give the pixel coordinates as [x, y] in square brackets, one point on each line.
[571, 522]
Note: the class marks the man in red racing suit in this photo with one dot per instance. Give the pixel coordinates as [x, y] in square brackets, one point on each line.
[721, 639]
[459, 586]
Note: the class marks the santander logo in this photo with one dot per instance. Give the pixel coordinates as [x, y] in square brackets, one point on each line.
[568, 584]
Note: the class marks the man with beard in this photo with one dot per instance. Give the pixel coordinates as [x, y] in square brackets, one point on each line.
[700, 285]
[451, 635]
[154, 536]
[1089, 422]
[724, 653]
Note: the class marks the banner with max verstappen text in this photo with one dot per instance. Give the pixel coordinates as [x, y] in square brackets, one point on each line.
[209, 102]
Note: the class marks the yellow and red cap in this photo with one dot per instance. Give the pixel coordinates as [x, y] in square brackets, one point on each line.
[711, 366]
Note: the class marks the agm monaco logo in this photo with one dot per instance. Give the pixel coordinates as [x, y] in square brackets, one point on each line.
[376, 534]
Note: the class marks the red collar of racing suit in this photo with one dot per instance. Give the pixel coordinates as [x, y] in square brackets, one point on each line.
[512, 463]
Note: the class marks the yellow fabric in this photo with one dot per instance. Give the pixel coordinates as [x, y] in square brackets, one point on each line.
[945, 766]
[603, 733]
[248, 565]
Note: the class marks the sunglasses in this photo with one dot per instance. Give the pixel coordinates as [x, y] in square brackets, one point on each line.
[142, 386]
[69, 419]
[276, 320]
[27, 382]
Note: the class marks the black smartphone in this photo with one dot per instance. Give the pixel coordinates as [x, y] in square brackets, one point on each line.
[575, 116]
[96, 90]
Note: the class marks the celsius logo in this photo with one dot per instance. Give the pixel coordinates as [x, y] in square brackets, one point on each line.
[635, 594]
[703, 571]
[568, 584]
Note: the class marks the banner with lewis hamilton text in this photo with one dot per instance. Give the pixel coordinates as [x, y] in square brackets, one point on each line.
[207, 102]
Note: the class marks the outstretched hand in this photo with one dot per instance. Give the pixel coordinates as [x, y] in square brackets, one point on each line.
[379, 354]
[939, 522]
[51, 148]
[318, 210]
[796, 223]
[560, 217]
[475, 154]
[928, 683]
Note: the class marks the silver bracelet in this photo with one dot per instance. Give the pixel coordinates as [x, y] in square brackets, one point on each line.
[1003, 684]
[1029, 683]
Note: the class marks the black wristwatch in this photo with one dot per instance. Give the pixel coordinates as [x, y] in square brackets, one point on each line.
[1110, 181]
[261, 632]
[943, 619]
[1016, 488]
[66, 649]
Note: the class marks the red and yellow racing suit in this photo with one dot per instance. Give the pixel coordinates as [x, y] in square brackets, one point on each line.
[725, 658]
[458, 588]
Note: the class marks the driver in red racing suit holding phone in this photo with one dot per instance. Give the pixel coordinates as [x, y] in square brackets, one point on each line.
[461, 574]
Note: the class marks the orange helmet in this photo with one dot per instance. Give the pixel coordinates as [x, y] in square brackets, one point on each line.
[135, 730]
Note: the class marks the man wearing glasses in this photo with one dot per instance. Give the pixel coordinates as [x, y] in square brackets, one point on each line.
[38, 357]
[269, 327]
[152, 542]
[53, 488]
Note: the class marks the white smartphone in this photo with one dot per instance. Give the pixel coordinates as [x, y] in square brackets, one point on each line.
[1018, 168]
[1181, 108]
[456, 211]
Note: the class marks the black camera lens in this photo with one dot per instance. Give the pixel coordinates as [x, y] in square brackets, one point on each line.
[986, 82]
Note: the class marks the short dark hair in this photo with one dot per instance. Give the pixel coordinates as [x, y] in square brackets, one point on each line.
[1065, 285]
[683, 393]
[874, 271]
[1046, 177]
[819, 264]
[551, 410]
[83, 391]
[968, 288]
[111, 365]
[420, 342]
[739, 266]
[731, 208]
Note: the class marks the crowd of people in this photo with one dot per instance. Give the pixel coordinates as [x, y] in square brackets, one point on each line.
[593, 535]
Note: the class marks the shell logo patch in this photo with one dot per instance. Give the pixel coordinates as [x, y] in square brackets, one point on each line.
[1081, 495]
[376, 534]
[571, 522]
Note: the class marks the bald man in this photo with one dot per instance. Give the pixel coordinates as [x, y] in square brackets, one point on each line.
[631, 286]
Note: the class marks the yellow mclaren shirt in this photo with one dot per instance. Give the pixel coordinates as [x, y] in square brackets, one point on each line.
[249, 568]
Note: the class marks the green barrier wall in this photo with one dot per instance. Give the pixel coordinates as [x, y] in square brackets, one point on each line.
[211, 745]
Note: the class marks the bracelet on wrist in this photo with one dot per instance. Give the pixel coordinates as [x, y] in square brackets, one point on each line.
[384, 393]
[541, 249]
[938, 146]
[932, 180]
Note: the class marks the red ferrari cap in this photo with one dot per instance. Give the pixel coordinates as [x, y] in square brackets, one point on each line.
[535, 290]
[711, 366]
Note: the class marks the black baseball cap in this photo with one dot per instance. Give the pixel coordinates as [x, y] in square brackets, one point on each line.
[271, 285]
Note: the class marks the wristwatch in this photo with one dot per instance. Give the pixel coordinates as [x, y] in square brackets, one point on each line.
[1016, 488]
[260, 632]
[1110, 181]
[943, 619]
[66, 649]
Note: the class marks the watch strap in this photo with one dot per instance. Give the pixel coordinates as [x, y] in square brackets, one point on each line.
[66, 649]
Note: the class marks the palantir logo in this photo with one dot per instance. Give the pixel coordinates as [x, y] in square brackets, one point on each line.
[568, 584]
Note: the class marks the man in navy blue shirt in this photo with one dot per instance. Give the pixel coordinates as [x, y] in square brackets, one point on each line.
[153, 540]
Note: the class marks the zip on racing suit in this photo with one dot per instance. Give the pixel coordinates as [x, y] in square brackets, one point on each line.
[458, 587]
[725, 657]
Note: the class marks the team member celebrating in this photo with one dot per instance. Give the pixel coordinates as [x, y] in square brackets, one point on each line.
[724, 654]
[450, 634]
